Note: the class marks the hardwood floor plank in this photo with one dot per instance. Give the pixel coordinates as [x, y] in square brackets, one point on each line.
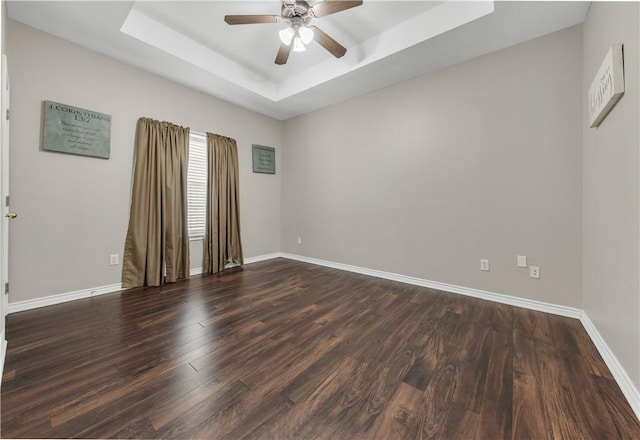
[244, 416]
[589, 352]
[461, 423]
[141, 428]
[362, 400]
[45, 396]
[437, 401]
[438, 332]
[307, 416]
[171, 409]
[218, 414]
[287, 350]
[118, 394]
[623, 419]
[497, 400]
[529, 418]
[595, 417]
[355, 342]
[400, 414]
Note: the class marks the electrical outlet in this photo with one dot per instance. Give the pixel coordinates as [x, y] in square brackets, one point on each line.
[522, 261]
[534, 272]
[299, 240]
[484, 265]
[113, 260]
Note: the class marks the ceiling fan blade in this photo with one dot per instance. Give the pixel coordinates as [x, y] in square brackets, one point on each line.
[336, 49]
[251, 19]
[332, 6]
[283, 54]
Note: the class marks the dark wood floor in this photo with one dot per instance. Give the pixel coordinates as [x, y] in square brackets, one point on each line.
[283, 349]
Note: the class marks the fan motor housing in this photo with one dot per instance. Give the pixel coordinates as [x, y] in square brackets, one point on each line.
[298, 9]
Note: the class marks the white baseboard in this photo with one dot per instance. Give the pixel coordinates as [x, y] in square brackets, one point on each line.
[264, 257]
[619, 374]
[569, 312]
[199, 270]
[29, 304]
[21, 306]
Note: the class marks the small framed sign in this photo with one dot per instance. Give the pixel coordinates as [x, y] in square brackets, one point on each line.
[607, 87]
[75, 130]
[264, 159]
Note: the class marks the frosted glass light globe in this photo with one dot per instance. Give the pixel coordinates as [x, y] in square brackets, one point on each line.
[286, 35]
[306, 34]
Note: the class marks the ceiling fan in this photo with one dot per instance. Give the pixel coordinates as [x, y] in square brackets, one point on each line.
[298, 14]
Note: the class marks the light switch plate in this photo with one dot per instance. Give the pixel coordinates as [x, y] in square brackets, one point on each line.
[522, 261]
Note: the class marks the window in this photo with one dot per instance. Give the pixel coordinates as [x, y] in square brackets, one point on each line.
[197, 184]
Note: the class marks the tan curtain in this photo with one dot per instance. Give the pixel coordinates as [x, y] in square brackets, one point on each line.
[222, 242]
[156, 249]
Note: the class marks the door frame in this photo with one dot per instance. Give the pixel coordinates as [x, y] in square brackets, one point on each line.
[5, 97]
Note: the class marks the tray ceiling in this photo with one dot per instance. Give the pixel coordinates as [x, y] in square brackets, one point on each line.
[387, 42]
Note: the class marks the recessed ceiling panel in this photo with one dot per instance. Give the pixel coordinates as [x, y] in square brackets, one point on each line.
[243, 54]
[254, 46]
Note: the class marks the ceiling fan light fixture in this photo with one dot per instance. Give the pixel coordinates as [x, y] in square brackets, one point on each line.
[286, 35]
[306, 34]
[298, 14]
[298, 45]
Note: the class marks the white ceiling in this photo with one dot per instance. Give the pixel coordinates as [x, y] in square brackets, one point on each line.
[387, 42]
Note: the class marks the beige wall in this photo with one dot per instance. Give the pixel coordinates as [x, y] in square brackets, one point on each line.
[611, 190]
[73, 210]
[425, 178]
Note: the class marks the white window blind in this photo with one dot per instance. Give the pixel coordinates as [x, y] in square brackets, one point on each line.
[197, 184]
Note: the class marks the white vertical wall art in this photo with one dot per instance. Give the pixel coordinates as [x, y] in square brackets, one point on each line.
[607, 86]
